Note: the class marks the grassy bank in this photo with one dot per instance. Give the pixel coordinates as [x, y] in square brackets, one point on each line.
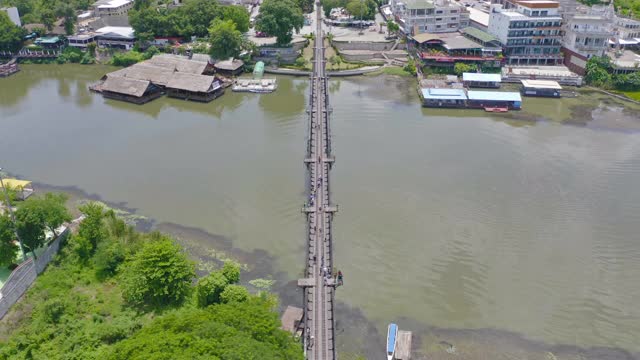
[115, 293]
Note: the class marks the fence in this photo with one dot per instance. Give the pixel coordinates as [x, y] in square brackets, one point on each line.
[25, 274]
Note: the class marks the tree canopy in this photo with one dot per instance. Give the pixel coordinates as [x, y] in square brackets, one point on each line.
[280, 18]
[239, 15]
[225, 40]
[159, 275]
[30, 224]
[11, 36]
[8, 247]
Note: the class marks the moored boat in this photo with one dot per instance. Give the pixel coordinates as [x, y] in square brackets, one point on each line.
[392, 337]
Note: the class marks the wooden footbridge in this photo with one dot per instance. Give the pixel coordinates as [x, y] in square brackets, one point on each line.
[318, 333]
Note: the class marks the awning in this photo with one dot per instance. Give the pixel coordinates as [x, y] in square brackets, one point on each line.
[15, 183]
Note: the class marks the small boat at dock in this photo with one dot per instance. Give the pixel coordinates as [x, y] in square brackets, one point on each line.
[392, 337]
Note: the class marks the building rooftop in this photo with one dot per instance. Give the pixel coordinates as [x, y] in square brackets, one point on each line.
[625, 59]
[444, 94]
[539, 4]
[419, 4]
[229, 65]
[47, 40]
[450, 41]
[479, 16]
[479, 34]
[493, 95]
[192, 82]
[126, 86]
[118, 31]
[541, 84]
[145, 71]
[178, 63]
[114, 4]
[481, 77]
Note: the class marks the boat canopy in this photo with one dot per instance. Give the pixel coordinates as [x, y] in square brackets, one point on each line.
[258, 70]
[391, 338]
[15, 183]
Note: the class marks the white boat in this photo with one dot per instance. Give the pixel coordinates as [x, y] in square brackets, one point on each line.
[260, 86]
[392, 337]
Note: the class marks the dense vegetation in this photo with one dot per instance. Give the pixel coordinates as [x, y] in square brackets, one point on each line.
[366, 9]
[10, 35]
[280, 18]
[115, 293]
[599, 72]
[194, 18]
[47, 12]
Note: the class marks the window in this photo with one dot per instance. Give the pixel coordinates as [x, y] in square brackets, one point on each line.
[454, 18]
[438, 19]
[454, 11]
[439, 11]
[438, 26]
[535, 13]
[544, 13]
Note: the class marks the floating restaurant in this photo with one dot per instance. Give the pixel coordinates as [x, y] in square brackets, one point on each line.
[480, 80]
[496, 101]
[545, 88]
[438, 97]
[131, 90]
[202, 88]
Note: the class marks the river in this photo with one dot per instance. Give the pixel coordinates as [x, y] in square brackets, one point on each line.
[502, 235]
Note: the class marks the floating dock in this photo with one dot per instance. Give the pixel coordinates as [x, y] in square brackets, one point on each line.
[255, 85]
[9, 68]
[403, 345]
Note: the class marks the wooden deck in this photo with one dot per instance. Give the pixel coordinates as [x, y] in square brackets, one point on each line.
[403, 345]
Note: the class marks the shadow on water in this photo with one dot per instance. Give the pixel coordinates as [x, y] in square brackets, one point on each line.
[356, 334]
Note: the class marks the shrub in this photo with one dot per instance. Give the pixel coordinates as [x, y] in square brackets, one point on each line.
[209, 289]
[109, 255]
[234, 293]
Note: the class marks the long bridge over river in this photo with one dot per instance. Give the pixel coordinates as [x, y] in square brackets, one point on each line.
[319, 290]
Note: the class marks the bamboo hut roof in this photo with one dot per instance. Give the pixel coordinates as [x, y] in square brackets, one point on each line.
[229, 65]
[126, 86]
[178, 63]
[194, 83]
[155, 74]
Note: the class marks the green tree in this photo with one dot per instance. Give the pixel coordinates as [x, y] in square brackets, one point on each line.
[598, 71]
[54, 209]
[67, 12]
[200, 14]
[209, 288]
[365, 9]
[11, 36]
[92, 227]
[8, 248]
[231, 271]
[280, 18]
[159, 274]
[392, 27]
[30, 224]
[234, 293]
[239, 15]
[48, 17]
[459, 68]
[225, 40]
[109, 255]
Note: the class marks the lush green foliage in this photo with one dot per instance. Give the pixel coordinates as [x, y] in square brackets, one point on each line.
[392, 27]
[225, 40]
[366, 9]
[11, 36]
[459, 68]
[159, 275]
[247, 330]
[599, 72]
[280, 18]
[231, 271]
[70, 313]
[410, 67]
[30, 224]
[194, 18]
[46, 12]
[209, 288]
[53, 208]
[239, 16]
[8, 248]
[127, 58]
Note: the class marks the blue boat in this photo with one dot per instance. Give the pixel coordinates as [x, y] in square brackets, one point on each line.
[392, 336]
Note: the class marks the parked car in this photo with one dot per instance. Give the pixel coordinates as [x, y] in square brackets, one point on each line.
[261, 34]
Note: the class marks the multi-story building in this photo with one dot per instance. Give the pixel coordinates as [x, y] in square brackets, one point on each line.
[586, 34]
[627, 29]
[110, 8]
[13, 14]
[530, 32]
[429, 16]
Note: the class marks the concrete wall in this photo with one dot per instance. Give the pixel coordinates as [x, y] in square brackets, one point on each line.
[25, 274]
[364, 45]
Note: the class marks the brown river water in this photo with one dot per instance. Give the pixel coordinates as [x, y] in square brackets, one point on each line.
[510, 236]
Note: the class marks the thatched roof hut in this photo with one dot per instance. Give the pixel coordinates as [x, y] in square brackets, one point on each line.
[178, 63]
[132, 90]
[157, 75]
[194, 87]
[230, 67]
